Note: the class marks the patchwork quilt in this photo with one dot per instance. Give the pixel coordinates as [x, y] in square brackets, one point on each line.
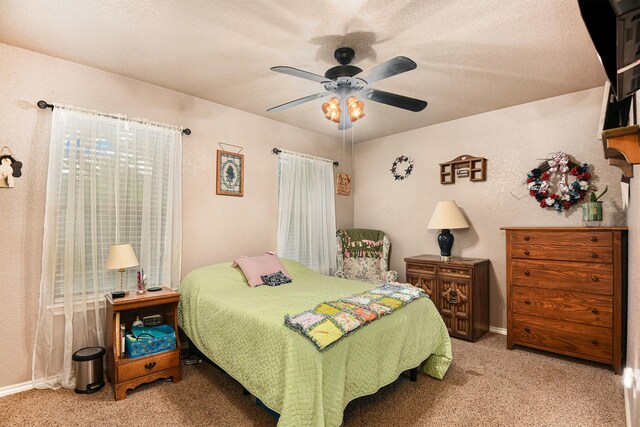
[241, 330]
[331, 321]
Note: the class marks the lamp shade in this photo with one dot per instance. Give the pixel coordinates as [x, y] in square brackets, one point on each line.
[121, 256]
[447, 215]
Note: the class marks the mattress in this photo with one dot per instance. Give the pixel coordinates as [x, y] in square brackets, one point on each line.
[242, 330]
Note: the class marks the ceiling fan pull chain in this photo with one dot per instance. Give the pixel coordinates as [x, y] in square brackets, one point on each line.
[352, 161]
[343, 148]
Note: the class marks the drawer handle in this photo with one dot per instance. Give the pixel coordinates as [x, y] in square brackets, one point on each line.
[150, 365]
[526, 272]
[594, 311]
[526, 252]
[594, 278]
[453, 298]
[526, 238]
[595, 342]
[527, 301]
[594, 255]
[527, 330]
[593, 238]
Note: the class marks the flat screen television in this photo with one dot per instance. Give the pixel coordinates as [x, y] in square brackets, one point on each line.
[614, 27]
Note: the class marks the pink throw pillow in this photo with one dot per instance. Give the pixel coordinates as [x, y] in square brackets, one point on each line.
[256, 266]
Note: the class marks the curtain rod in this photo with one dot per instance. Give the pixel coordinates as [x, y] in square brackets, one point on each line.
[277, 151]
[44, 105]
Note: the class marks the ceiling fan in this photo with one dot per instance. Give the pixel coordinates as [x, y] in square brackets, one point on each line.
[344, 81]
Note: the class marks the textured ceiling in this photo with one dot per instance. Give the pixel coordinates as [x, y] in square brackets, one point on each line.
[472, 56]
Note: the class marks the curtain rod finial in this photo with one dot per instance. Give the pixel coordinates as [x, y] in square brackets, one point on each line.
[43, 104]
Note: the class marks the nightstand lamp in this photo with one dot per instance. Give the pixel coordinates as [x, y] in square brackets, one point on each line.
[121, 257]
[446, 216]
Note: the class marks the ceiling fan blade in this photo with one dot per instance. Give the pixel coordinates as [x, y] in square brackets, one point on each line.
[345, 121]
[298, 102]
[395, 100]
[390, 68]
[301, 73]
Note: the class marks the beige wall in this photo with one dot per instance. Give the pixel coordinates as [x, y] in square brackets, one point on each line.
[633, 300]
[512, 139]
[216, 228]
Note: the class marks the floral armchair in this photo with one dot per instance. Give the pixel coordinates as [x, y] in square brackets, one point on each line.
[363, 255]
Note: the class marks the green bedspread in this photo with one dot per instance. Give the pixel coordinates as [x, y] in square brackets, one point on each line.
[242, 330]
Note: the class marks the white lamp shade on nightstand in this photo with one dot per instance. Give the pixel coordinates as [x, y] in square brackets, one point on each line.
[121, 257]
[447, 215]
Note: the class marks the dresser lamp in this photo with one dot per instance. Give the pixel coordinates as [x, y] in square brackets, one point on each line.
[446, 216]
[121, 257]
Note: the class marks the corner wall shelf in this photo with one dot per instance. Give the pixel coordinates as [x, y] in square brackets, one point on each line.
[622, 148]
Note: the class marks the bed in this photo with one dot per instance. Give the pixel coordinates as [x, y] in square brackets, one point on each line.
[241, 329]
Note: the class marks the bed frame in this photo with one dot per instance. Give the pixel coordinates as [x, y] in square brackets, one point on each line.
[195, 351]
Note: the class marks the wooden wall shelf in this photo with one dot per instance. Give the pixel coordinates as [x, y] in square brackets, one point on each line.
[622, 148]
[465, 166]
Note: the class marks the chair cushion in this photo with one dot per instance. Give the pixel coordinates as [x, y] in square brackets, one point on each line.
[365, 269]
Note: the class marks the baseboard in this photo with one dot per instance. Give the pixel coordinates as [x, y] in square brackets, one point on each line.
[15, 388]
[496, 330]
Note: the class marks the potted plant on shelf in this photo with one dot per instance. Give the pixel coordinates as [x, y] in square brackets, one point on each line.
[592, 210]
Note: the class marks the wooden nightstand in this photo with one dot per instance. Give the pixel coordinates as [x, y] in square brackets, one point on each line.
[125, 373]
[459, 288]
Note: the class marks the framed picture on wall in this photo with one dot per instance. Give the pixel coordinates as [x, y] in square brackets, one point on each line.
[229, 173]
[343, 184]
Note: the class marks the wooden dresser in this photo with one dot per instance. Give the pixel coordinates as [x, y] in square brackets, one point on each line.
[459, 288]
[566, 291]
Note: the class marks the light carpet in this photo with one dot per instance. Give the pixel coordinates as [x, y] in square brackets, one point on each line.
[487, 385]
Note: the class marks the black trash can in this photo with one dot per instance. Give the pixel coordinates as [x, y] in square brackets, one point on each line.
[89, 373]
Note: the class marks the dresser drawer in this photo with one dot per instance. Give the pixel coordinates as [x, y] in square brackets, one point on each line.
[578, 307]
[134, 368]
[572, 239]
[563, 276]
[421, 268]
[461, 272]
[568, 338]
[563, 253]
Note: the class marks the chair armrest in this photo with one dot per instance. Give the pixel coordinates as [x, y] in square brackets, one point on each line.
[391, 276]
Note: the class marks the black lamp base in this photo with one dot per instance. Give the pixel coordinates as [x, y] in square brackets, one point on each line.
[445, 241]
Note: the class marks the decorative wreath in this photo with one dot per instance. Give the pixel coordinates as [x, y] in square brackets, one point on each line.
[558, 165]
[407, 171]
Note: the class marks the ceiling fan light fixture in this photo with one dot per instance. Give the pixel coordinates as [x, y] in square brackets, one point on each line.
[331, 110]
[344, 80]
[356, 108]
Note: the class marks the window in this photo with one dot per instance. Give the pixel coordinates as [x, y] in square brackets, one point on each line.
[115, 183]
[306, 211]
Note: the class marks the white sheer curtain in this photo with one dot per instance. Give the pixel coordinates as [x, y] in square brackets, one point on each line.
[307, 211]
[110, 180]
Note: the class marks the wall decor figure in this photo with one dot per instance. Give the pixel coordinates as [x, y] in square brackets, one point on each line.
[465, 166]
[404, 173]
[343, 184]
[229, 173]
[10, 168]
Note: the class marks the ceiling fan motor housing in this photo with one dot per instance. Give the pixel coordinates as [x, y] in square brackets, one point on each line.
[342, 71]
[344, 56]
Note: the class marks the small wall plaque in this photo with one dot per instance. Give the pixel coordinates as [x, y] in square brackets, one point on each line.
[475, 168]
[343, 184]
